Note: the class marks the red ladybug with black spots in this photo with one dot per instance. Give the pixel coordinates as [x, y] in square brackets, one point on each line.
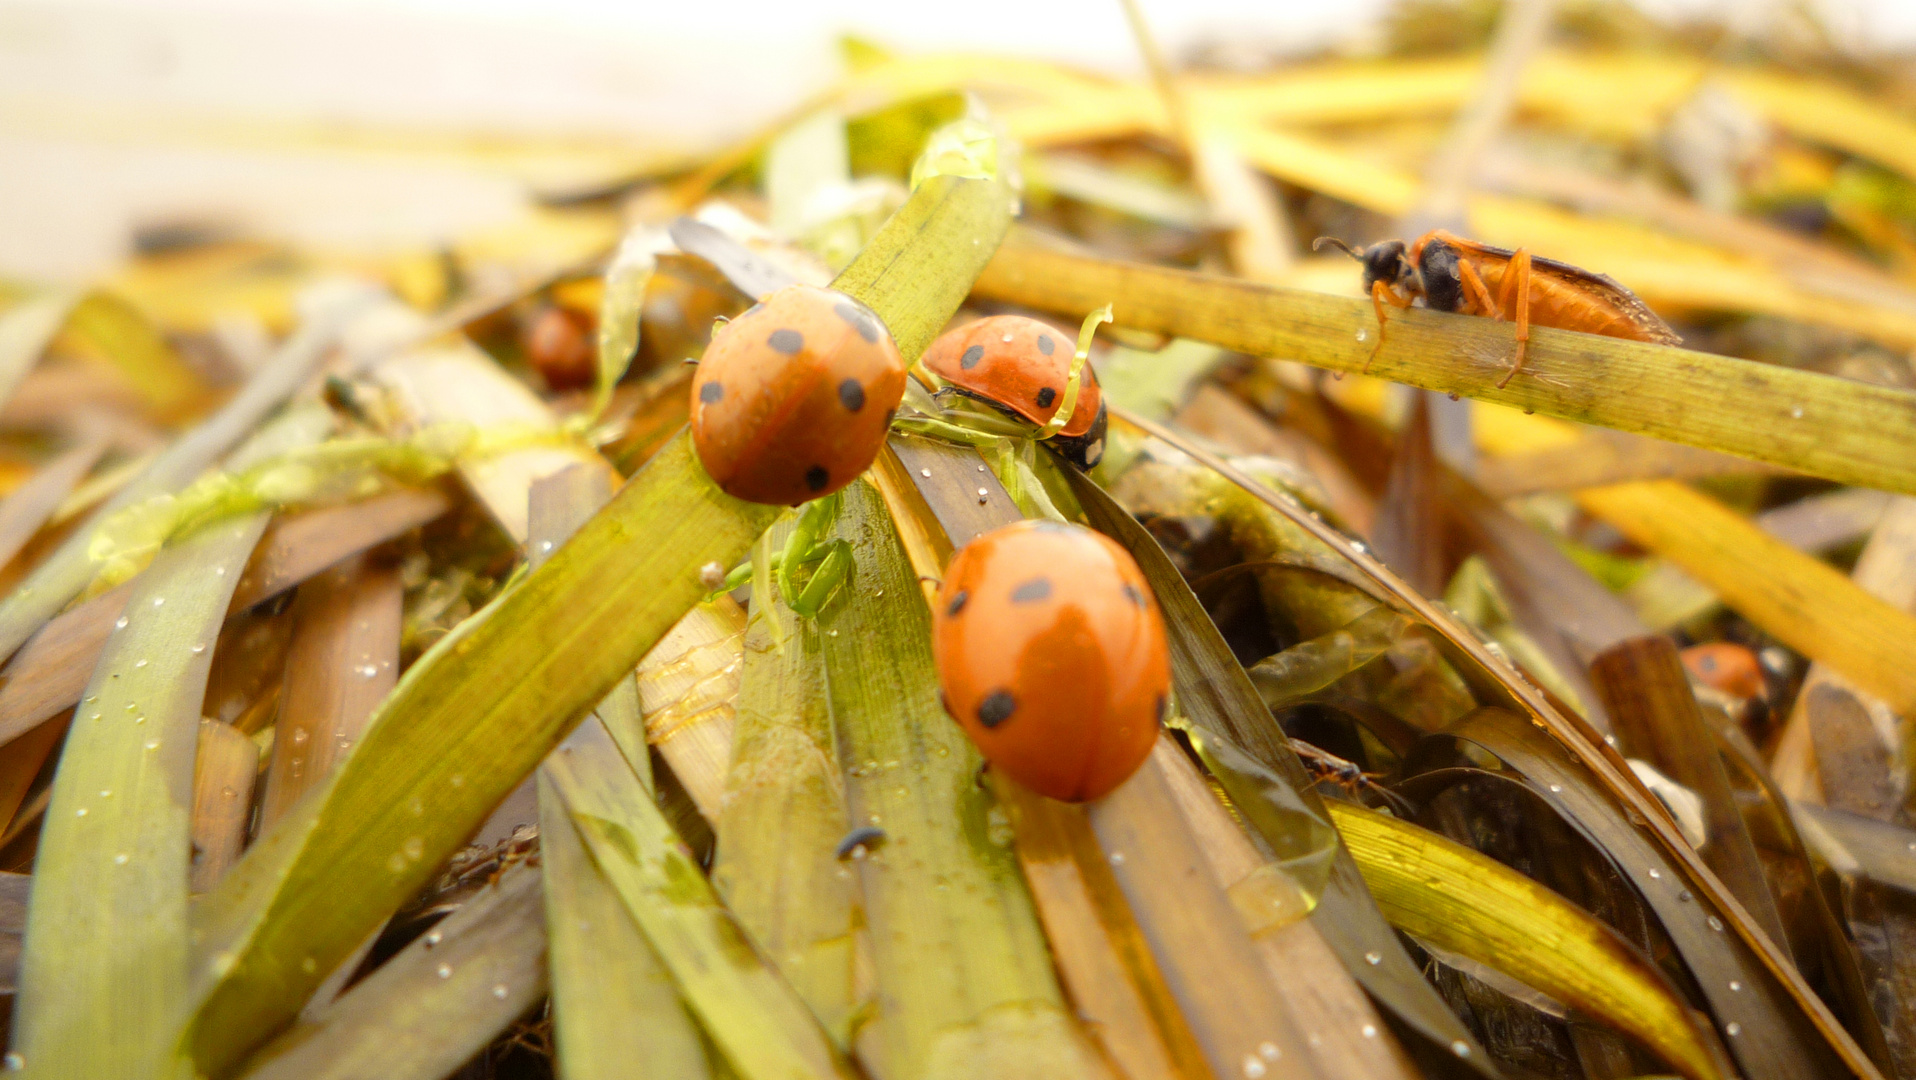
[1020, 366]
[1051, 653]
[794, 397]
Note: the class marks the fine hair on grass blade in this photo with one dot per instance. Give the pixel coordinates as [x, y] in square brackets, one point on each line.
[751, 1015]
[1457, 899]
[104, 972]
[614, 1003]
[784, 809]
[469, 720]
[433, 1006]
[68, 570]
[965, 984]
[1840, 429]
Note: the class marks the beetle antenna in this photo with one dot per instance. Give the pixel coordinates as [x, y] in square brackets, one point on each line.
[1322, 242]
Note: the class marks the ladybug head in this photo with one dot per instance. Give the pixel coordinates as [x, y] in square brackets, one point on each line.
[1387, 261]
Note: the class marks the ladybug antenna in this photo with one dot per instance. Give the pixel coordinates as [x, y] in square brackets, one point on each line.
[1323, 242]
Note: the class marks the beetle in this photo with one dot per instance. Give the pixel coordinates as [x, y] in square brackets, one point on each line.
[559, 343]
[792, 399]
[1052, 656]
[1726, 666]
[1021, 367]
[1458, 275]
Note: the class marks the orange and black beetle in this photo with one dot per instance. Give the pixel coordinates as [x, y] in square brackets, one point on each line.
[1458, 275]
[1021, 366]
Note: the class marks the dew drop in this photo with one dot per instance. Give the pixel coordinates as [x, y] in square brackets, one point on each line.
[1358, 546]
[152, 744]
[1363, 335]
[1735, 986]
[91, 698]
[1117, 857]
[219, 571]
[1556, 788]
[1655, 873]
[198, 648]
[120, 859]
[457, 780]
[1684, 896]
[1733, 1029]
[309, 965]
[300, 735]
[106, 793]
[499, 991]
[1370, 1031]
[368, 671]
[1007, 339]
[445, 971]
[16, 1062]
[396, 863]
[545, 545]
[1796, 413]
[1716, 924]
[1269, 1051]
[1373, 958]
[119, 623]
[227, 792]
[1460, 1048]
[81, 812]
[140, 663]
[434, 938]
[415, 848]
[1253, 1068]
[158, 601]
[982, 493]
[926, 473]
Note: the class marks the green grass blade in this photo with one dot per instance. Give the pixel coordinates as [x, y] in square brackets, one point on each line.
[467, 723]
[1845, 430]
[615, 1010]
[104, 972]
[67, 571]
[1459, 900]
[614, 1004]
[757, 1022]
[785, 809]
[965, 984]
[433, 1006]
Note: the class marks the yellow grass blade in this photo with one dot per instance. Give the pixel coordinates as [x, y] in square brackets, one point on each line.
[1459, 900]
[106, 327]
[1836, 428]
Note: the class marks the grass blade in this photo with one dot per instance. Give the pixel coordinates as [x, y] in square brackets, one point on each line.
[1844, 430]
[67, 571]
[466, 724]
[104, 972]
[785, 809]
[29, 506]
[223, 779]
[965, 986]
[429, 1009]
[1459, 900]
[107, 327]
[762, 1028]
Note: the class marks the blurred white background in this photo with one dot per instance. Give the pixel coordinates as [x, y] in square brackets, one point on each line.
[116, 113]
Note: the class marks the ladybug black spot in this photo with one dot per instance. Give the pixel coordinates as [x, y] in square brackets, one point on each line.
[1045, 344]
[996, 708]
[861, 320]
[1046, 397]
[851, 395]
[786, 341]
[1133, 594]
[957, 602]
[711, 392]
[1031, 591]
[971, 357]
[816, 478]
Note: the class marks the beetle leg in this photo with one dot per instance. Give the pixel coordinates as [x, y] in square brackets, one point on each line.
[1381, 294]
[1518, 275]
[1478, 293]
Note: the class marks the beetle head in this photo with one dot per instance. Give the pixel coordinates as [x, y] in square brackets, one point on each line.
[1387, 261]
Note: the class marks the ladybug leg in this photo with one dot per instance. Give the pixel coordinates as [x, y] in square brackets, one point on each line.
[1479, 295]
[1518, 276]
[1381, 294]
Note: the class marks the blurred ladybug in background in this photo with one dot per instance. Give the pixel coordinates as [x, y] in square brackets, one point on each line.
[1020, 366]
[1726, 666]
[794, 397]
[561, 344]
[1052, 656]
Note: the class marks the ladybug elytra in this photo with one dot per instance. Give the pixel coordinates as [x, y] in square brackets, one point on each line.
[1726, 666]
[1021, 366]
[1052, 657]
[794, 397]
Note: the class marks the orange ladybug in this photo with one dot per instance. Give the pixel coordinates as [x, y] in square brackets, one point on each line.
[1726, 666]
[794, 397]
[560, 344]
[1020, 366]
[1052, 656]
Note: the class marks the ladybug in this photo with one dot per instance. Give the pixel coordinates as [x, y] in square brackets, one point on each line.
[1051, 655]
[794, 397]
[560, 344]
[1726, 666]
[1020, 366]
